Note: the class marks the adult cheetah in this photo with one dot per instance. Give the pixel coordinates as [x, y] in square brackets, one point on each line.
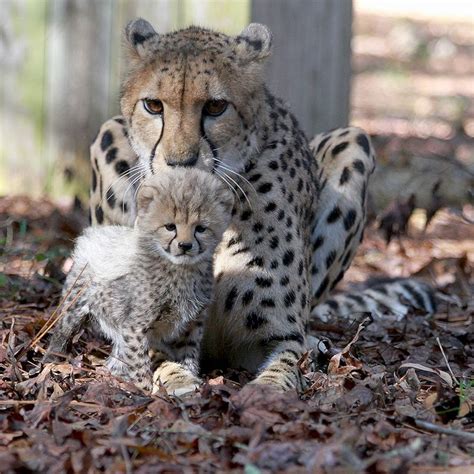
[197, 98]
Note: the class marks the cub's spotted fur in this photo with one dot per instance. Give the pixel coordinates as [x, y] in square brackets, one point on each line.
[148, 287]
[197, 98]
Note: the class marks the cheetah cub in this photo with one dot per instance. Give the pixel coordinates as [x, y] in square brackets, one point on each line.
[147, 288]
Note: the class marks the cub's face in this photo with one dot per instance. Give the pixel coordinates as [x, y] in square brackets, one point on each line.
[189, 96]
[184, 214]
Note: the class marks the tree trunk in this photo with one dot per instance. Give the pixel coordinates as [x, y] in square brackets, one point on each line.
[311, 63]
[78, 65]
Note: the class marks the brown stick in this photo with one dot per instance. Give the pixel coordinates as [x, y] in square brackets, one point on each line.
[425, 425]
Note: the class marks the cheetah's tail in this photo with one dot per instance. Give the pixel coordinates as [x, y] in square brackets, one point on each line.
[394, 297]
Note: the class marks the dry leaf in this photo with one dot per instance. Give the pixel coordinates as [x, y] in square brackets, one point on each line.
[216, 381]
[422, 370]
[352, 363]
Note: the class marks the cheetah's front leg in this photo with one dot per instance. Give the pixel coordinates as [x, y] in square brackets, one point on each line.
[115, 168]
[346, 161]
[281, 370]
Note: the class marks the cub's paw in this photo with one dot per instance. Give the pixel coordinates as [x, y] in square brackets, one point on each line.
[182, 391]
[270, 383]
[145, 384]
[176, 379]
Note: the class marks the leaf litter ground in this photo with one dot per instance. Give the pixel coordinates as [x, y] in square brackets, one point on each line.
[389, 395]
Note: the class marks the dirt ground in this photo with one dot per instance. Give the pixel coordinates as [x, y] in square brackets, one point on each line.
[399, 399]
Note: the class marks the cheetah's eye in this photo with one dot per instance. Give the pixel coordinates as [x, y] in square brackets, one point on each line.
[153, 106]
[170, 227]
[215, 108]
[200, 229]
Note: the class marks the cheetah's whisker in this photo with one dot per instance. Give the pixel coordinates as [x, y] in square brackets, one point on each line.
[228, 184]
[227, 168]
[132, 179]
[137, 190]
[132, 183]
[240, 187]
[133, 171]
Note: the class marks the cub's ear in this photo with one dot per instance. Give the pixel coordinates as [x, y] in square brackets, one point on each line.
[146, 195]
[138, 34]
[254, 43]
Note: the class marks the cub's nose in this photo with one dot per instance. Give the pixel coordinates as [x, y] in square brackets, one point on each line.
[185, 246]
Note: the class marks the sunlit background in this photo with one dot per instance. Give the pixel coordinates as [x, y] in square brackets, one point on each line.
[412, 83]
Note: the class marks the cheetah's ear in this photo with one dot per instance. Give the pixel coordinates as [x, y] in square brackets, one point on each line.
[138, 34]
[146, 195]
[254, 43]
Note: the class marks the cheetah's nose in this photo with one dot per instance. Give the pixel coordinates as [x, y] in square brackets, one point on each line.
[185, 246]
[187, 163]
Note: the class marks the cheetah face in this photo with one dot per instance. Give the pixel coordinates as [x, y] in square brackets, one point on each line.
[187, 96]
[183, 214]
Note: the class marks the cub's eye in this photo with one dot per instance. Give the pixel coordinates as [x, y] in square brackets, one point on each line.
[200, 229]
[153, 106]
[215, 107]
[170, 227]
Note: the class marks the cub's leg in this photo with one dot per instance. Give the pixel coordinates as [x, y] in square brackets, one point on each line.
[178, 361]
[346, 161]
[66, 329]
[130, 358]
[115, 176]
[76, 307]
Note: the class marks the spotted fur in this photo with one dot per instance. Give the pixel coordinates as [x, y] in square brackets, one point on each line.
[148, 287]
[390, 299]
[300, 213]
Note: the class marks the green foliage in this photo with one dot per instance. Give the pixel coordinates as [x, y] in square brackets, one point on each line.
[3, 280]
[251, 469]
[32, 26]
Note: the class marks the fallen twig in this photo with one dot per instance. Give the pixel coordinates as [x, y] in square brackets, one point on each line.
[426, 425]
[447, 362]
[406, 452]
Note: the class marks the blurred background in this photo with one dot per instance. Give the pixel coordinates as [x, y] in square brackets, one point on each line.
[402, 70]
